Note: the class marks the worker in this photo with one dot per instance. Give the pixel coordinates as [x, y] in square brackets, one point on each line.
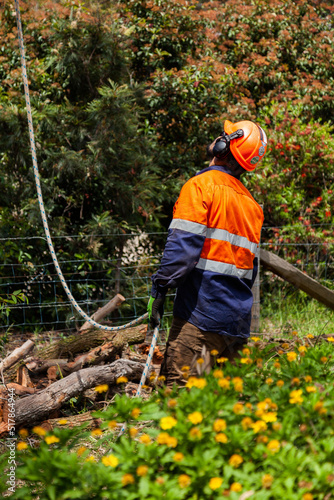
[211, 255]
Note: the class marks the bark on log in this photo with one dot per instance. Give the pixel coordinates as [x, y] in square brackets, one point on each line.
[16, 355]
[35, 408]
[89, 339]
[102, 312]
[301, 280]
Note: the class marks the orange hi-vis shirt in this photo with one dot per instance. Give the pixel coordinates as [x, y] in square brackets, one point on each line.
[228, 217]
[211, 253]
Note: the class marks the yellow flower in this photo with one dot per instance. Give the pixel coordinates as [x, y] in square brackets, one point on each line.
[167, 423]
[267, 480]
[218, 373]
[178, 456]
[330, 339]
[295, 381]
[200, 361]
[121, 380]
[295, 397]
[246, 361]
[133, 432]
[246, 423]
[221, 438]
[110, 461]
[160, 480]
[81, 450]
[280, 383]
[259, 426]
[51, 439]
[21, 445]
[310, 336]
[249, 406]
[308, 378]
[135, 413]
[101, 388]
[255, 339]
[195, 432]
[269, 381]
[271, 416]
[142, 470]
[307, 496]
[246, 351]
[195, 418]
[311, 388]
[96, 432]
[323, 359]
[145, 439]
[294, 333]
[185, 368]
[215, 483]
[302, 348]
[319, 407]
[200, 383]
[291, 356]
[91, 458]
[238, 408]
[214, 352]
[235, 460]
[273, 446]
[224, 383]
[236, 487]
[63, 421]
[165, 438]
[238, 384]
[112, 424]
[277, 365]
[277, 426]
[222, 360]
[184, 480]
[161, 378]
[219, 425]
[39, 430]
[23, 433]
[262, 439]
[172, 403]
[127, 479]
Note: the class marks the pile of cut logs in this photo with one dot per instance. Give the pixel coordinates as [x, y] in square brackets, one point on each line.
[45, 378]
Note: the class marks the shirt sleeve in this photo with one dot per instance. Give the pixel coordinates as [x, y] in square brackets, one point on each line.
[186, 236]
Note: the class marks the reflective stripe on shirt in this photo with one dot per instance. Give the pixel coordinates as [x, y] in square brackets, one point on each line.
[214, 233]
[222, 268]
[187, 225]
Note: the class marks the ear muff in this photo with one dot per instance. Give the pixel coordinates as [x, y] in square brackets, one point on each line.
[222, 147]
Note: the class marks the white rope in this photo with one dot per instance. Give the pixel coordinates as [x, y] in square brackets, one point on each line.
[39, 191]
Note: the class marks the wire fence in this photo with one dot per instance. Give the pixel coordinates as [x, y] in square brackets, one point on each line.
[93, 282]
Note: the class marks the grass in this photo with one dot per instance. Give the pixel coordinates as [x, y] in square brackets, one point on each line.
[284, 311]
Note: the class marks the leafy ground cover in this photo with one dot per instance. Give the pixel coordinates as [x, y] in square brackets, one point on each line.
[260, 428]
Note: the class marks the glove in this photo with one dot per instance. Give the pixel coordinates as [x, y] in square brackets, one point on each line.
[155, 309]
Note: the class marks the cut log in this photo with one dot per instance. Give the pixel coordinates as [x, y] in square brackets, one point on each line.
[37, 407]
[16, 355]
[102, 312]
[293, 275]
[89, 339]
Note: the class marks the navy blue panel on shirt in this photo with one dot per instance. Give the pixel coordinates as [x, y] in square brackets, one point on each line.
[215, 302]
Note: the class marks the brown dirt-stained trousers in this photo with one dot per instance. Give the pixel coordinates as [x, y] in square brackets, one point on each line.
[185, 342]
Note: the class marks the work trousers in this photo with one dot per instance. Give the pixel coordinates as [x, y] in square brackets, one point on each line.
[184, 345]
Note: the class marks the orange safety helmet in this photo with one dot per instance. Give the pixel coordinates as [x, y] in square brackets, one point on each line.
[249, 149]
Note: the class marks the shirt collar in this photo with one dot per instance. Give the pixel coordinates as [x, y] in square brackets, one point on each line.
[226, 170]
